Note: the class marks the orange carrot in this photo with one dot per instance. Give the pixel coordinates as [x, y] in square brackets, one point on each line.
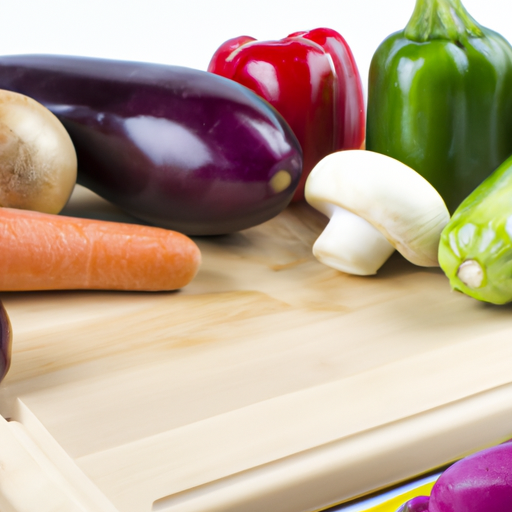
[41, 251]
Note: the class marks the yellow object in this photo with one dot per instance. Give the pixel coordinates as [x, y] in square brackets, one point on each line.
[394, 503]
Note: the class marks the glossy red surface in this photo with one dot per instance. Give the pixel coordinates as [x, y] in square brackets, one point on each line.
[311, 78]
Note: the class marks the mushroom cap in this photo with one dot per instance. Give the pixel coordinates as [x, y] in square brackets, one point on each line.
[388, 194]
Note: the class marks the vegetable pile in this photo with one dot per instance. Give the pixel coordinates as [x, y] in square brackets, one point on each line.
[209, 153]
[201, 154]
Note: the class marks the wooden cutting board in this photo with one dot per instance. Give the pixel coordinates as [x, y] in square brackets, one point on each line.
[270, 383]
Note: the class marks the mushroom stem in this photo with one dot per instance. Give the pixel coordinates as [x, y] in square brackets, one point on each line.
[351, 244]
[471, 273]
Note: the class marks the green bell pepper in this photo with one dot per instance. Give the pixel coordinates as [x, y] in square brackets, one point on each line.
[475, 251]
[440, 100]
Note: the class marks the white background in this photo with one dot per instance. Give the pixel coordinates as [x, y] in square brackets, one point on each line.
[187, 32]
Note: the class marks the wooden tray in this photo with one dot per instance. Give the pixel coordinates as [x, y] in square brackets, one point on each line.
[270, 383]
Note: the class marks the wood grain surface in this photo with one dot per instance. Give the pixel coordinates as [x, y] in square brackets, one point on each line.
[271, 382]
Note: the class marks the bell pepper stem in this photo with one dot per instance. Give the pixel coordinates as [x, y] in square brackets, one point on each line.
[441, 19]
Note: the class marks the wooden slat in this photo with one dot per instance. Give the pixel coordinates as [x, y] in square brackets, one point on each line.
[271, 382]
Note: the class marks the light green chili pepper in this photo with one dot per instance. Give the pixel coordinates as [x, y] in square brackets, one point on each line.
[476, 245]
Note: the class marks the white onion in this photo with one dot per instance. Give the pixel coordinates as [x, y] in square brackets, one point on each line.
[37, 159]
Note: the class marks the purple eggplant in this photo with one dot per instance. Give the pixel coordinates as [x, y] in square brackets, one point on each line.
[176, 147]
[5, 342]
[481, 482]
[417, 504]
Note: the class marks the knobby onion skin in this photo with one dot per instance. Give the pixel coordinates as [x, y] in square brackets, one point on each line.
[37, 158]
[5, 342]
[176, 147]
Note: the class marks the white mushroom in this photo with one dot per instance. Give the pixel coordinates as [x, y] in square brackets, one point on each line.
[376, 204]
[38, 162]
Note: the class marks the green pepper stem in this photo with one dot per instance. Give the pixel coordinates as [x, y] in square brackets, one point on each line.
[441, 19]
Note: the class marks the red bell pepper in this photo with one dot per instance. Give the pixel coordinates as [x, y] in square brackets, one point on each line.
[311, 78]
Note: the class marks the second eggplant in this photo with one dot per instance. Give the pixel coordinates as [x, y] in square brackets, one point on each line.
[176, 147]
[5, 342]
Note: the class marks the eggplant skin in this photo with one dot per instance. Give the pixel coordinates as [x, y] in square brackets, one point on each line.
[5, 342]
[176, 147]
[481, 482]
